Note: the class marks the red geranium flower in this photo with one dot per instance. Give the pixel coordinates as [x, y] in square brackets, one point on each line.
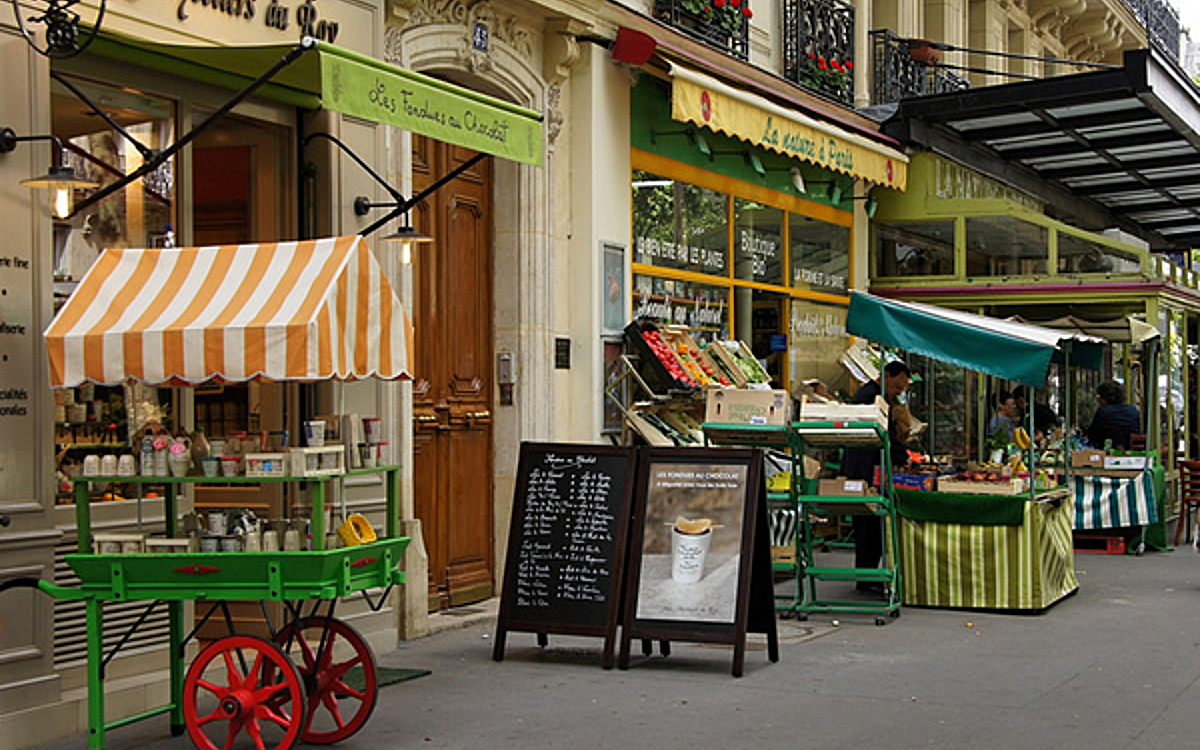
[747, 12]
[849, 65]
[836, 65]
[822, 65]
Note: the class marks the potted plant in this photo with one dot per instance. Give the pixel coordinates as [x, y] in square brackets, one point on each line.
[830, 75]
[924, 51]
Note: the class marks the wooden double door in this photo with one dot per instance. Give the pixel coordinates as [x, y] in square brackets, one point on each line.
[452, 394]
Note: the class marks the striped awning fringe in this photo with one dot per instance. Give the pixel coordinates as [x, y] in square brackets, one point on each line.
[310, 310]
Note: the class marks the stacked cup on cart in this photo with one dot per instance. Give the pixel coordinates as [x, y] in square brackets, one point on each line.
[371, 446]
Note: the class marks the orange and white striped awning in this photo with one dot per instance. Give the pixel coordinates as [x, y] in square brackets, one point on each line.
[309, 310]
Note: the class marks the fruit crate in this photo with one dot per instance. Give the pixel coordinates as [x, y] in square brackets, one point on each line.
[658, 366]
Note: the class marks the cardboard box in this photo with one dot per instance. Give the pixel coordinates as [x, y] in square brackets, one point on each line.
[1010, 486]
[1126, 463]
[1090, 458]
[834, 412]
[842, 486]
[738, 406]
[926, 481]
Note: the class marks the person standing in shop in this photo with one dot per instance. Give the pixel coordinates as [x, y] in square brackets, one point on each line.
[861, 463]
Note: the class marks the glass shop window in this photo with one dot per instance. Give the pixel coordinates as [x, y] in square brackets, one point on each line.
[817, 340]
[701, 307]
[757, 242]
[140, 215]
[1081, 255]
[680, 226]
[1004, 246]
[92, 419]
[819, 254]
[914, 249]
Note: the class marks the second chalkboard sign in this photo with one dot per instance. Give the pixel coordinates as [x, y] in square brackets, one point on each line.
[566, 544]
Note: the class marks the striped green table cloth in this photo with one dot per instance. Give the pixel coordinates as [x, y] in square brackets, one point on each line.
[1026, 567]
[1112, 502]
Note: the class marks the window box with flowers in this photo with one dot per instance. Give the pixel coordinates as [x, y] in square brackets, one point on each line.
[723, 24]
[832, 77]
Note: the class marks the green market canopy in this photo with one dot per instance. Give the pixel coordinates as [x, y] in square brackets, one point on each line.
[1003, 348]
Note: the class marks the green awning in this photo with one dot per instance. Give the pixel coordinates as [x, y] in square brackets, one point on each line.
[1003, 348]
[334, 78]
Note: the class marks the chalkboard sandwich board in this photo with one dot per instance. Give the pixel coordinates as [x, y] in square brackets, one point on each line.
[699, 564]
[566, 543]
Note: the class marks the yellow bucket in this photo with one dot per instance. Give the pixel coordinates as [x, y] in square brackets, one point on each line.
[356, 530]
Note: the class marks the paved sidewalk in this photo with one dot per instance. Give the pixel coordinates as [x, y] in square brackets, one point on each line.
[1114, 666]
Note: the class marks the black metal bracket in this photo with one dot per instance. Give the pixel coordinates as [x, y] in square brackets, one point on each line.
[375, 607]
[128, 634]
[306, 44]
[146, 152]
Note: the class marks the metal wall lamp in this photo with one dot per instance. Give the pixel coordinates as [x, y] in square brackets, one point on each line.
[407, 237]
[870, 204]
[61, 180]
[797, 176]
[833, 190]
[400, 205]
[749, 157]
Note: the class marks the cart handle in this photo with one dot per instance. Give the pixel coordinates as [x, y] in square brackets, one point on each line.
[53, 590]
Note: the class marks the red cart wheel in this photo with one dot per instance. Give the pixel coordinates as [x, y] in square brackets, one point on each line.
[337, 708]
[243, 684]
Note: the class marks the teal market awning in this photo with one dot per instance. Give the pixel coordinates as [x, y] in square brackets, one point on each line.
[1003, 348]
[338, 79]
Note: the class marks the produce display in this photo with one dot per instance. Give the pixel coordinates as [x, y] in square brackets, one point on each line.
[667, 356]
[741, 363]
[697, 365]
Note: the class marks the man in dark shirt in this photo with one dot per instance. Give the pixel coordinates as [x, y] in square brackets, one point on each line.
[860, 463]
[1114, 420]
[1044, 418]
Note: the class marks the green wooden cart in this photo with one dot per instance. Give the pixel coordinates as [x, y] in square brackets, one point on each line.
[314, 680]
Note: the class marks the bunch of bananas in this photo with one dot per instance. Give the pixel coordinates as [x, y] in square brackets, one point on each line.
[1021, 438]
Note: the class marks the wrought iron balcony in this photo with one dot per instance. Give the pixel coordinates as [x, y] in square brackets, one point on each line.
[818, 46]
[724, 24]
[899, 75]
[1161, 21]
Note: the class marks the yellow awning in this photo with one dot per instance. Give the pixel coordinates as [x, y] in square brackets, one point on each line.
[706, 102]
[308, 310]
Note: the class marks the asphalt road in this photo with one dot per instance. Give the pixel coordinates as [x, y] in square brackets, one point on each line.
[1114, 666]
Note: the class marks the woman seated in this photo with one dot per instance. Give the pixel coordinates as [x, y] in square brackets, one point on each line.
[1114, 420]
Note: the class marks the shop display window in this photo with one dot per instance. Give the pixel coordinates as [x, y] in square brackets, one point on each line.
[914, 249]
[679, 226]
[1006, 246]
[140, 215]
[817, 337]
[1080, 255]
[819, 254]
[757, 242]
[944, 398]
[702, 307]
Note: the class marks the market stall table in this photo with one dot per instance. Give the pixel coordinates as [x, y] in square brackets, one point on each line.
[1130, 500]
[986, 551]
[974, 551]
